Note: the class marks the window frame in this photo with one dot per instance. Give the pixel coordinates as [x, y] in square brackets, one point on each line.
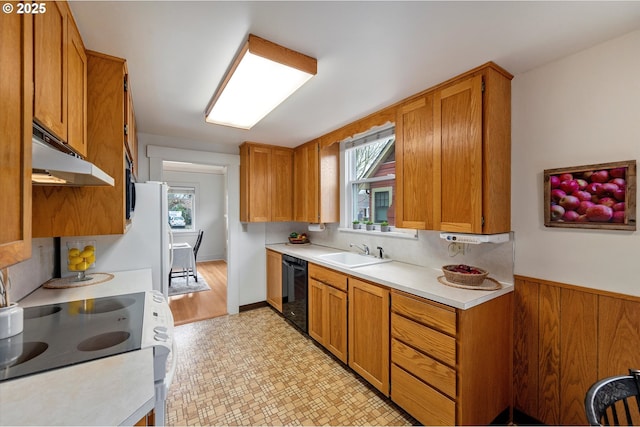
[194, 186]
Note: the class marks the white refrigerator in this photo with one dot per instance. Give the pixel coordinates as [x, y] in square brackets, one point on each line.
[146, 244]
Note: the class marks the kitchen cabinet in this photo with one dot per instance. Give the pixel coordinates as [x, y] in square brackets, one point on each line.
[60, 76]
[414, 164]
[274, 279]
[82, 211]
[316, 194]
[328, 309]
[265, 183]
[130, 133]
[472, 153]
[451, 366]
[369, 332]
[16, 92]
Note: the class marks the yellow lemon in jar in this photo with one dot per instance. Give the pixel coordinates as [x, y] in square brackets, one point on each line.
[90, 259]
[75, 260]
[81, 266]
[74, 252]
[71, 267]
[90, 248]
[86, 253]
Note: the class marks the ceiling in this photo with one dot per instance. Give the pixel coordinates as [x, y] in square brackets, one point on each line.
[370, 54]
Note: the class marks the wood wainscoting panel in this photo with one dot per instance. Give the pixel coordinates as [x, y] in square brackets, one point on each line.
[566, 338]
[578, 357]
[619, 336]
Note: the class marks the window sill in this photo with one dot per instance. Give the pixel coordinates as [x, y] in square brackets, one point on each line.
[405, 234]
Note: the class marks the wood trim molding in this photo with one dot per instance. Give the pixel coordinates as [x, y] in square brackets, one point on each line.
[601, 292]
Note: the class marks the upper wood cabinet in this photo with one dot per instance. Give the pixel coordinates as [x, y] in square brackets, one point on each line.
[472, 153]
[16, 92]
[60, 76]
[414, 164]
[265, 183]
[81, 211]
[316, 195]
[130, 131]
[50, 67]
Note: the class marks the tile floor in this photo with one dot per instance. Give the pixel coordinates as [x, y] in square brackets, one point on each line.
[255, 369]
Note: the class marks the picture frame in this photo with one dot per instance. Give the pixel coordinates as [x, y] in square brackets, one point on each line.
[597, 196]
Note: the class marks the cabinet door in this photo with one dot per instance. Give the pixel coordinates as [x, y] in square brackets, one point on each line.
[306, 184]
[16, 92]
[316, 311]
[259, 184]
[369, 333]
[414, 164]
[282, 185]
[77, 91]
[336, 329]
[299, 183]
[274, 280]
[50, 68]
[457, 168]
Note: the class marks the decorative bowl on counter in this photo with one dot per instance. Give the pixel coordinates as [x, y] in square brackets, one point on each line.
[299, 240]
[464, 274]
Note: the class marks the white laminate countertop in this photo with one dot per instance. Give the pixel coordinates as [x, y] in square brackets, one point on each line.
[413, 279]
[109, 391]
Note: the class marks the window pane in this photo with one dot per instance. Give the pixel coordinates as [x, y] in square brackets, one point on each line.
[181, 208]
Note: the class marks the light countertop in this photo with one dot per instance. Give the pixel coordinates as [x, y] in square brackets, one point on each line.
[110, 391]
[413, 279]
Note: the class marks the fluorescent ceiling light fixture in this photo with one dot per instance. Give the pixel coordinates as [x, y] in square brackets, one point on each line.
[262, 76]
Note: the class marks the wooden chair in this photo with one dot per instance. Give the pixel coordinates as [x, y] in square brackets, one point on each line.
[614, 400]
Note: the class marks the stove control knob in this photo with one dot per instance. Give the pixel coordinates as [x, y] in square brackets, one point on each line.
[160, 329]
[161, 337]
[158, 298]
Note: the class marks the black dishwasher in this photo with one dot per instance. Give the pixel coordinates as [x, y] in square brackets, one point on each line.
[294, 291]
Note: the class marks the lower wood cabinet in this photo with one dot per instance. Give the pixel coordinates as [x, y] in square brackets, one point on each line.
[274, 279]
[328, 309]
[369, 332]
[451, 366]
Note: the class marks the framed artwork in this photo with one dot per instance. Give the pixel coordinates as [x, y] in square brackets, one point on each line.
[599, 196]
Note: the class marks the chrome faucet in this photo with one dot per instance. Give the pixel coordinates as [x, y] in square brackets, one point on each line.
[364, 248]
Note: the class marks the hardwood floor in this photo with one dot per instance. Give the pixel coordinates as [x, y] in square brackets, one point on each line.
[193, 307]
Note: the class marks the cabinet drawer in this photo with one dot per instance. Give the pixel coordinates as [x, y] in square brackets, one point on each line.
[434, 373]
[435, 315]
[435, 344]
[328, 277]
[421, 401]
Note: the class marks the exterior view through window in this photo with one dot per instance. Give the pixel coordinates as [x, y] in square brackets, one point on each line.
[371, 177]
[182, 208]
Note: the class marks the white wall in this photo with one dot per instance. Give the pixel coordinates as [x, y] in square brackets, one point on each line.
[210, 211]
[27, 276]
[583, 109]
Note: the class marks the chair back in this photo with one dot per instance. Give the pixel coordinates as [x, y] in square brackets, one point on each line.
[614, 401]
[197, 245]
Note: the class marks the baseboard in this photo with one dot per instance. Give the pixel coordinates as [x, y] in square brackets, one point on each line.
[252, 306]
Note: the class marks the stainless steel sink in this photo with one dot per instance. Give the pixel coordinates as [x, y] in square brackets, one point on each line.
[351, 260]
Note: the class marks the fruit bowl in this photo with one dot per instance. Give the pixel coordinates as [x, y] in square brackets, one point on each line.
[464, 274]
[298, 240]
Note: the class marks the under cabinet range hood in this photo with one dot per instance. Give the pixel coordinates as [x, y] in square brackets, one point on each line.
[51, 166]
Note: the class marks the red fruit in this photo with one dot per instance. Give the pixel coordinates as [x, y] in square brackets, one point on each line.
[618, 217]
[569, 186]
[582, 218]
[570, 216]
[587, 175]
[619, 207]
[619, 182]
[569, 202]
[607, 201]
[595, 199]
[600, 176]
[593, 187]
[582, 195]
[620, 195]
[566, 177]
[582, 184]
[557, 194]
[554, 181]
[609, 188]
[618, 172]
[584, 205]
[556, 212]
[599, 213]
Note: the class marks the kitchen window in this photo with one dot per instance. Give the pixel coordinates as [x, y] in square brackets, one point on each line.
[370, 169]
[181, 205]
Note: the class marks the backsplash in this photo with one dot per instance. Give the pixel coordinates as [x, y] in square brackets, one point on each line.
[28, 275]
[428, 250]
